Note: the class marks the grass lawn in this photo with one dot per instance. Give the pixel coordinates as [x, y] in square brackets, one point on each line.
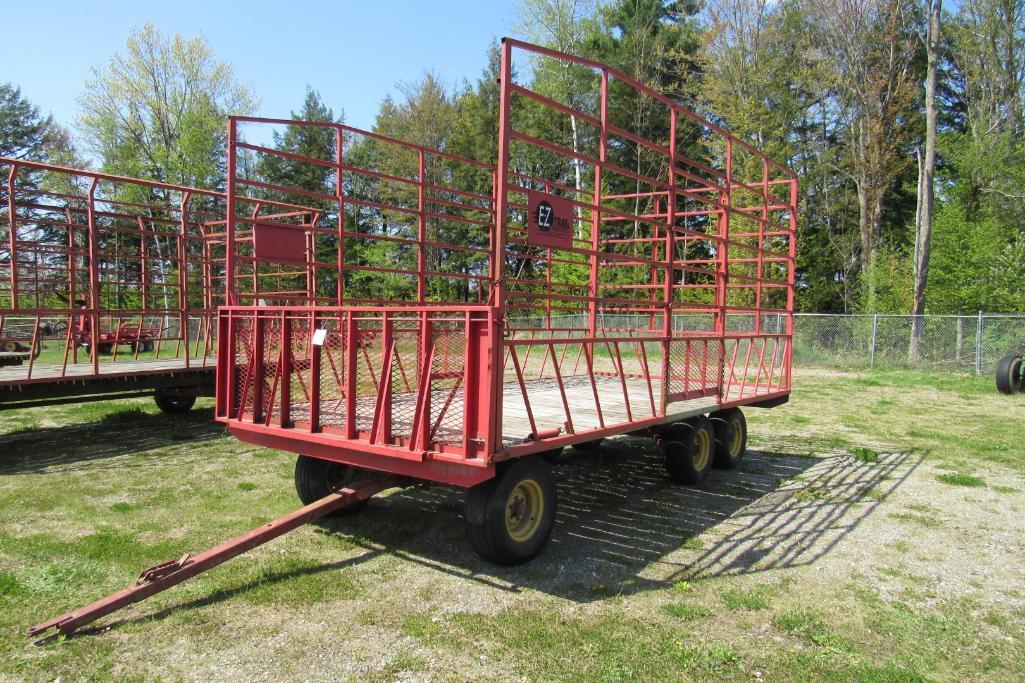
[874, 532]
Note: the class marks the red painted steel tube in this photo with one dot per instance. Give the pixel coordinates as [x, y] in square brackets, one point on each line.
[163, 576]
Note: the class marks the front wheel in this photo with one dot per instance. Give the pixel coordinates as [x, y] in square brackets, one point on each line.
[316, 478]
[509, 518]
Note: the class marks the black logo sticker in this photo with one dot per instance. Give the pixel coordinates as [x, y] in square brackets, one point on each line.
[544, 216]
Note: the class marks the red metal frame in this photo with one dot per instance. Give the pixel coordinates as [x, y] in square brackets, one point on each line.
[98, 269]
[669, 300]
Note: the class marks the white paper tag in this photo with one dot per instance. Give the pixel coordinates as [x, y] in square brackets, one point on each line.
[319, 336]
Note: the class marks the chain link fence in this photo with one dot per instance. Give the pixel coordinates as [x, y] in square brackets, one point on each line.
[947, 342]
[956, 343]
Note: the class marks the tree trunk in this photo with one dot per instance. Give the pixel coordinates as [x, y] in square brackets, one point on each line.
[924, 232]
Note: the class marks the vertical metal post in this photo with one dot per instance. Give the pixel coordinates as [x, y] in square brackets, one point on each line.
[230, 297]
[498, 291]
[183, 272]
[978, 346]
[12, 238]
[94, 279]
[596, 214]
[339, 179]
[875, 336]
[670, 254]
[421, 231]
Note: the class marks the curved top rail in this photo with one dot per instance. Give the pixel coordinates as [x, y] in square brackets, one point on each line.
[110, 177]
[127, 180]
[359, 131]
[676, 107]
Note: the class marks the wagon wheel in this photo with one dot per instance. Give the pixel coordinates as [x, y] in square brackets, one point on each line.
[730, 438]
[1009, 374]
[316, 478]
[592, 445]
[509, 518]
[9, 346]
[171, 404]
[689, 451]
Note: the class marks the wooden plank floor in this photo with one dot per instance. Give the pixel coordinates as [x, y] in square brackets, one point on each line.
[545, 403]
[13, 374]
[549, 412]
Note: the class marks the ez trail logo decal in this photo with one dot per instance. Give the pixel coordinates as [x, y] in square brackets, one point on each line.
[549, 220]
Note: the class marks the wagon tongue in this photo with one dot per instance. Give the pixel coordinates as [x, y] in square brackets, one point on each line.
[168, 574]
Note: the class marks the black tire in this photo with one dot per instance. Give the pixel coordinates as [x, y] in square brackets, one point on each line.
[592, 445]
[509, 518]
[147, 346]
[316, 478]
[689, 450]
[554, 456]
[1008, 374]
[730, 437]
[105, 349]
[174, 405]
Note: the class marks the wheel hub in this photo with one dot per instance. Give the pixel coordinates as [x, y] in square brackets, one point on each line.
[523, 510]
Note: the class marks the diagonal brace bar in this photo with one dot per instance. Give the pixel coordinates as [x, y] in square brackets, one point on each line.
[164, 576]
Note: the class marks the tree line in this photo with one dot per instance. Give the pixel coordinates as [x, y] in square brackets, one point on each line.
[903, 120]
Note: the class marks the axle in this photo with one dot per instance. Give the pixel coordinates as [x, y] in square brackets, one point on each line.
[168, 574]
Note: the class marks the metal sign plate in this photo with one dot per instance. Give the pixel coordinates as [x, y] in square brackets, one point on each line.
[550, 220]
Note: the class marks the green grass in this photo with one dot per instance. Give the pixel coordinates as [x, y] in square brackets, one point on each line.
[749, 599]
[959, 479]
[686, 612]
[643, 580]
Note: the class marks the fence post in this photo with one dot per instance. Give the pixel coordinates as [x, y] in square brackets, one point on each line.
[978, 347]
[875, 334]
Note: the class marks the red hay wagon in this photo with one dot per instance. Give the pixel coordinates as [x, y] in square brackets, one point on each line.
[506, 313]
[108, 287]
[417, 316]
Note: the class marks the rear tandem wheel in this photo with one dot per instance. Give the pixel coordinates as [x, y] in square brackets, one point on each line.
[688, 450]
[730, 437]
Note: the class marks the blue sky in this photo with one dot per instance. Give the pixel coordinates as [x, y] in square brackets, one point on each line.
[352, 52]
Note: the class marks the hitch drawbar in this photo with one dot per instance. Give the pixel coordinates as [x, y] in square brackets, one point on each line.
[163, 576]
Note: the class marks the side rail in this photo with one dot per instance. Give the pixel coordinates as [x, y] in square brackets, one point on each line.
[395, 381]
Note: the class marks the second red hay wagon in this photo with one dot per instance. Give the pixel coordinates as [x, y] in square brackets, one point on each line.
[428, 318]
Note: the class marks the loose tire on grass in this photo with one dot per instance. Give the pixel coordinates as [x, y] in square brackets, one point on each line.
[509, 518]
[174, 405]
[1008, 374]
[730, 437]
[688, 451]
[316, 478]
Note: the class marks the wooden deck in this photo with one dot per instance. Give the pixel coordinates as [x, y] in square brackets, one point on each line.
[19, 374]
[545, 404]
[549, 412]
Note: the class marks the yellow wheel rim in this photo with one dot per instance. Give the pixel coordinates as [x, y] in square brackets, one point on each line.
[523, 510]
[702, 449]
[735, 438]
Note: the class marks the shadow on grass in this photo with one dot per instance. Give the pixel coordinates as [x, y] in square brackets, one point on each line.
[124, 432]
[622, 527]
